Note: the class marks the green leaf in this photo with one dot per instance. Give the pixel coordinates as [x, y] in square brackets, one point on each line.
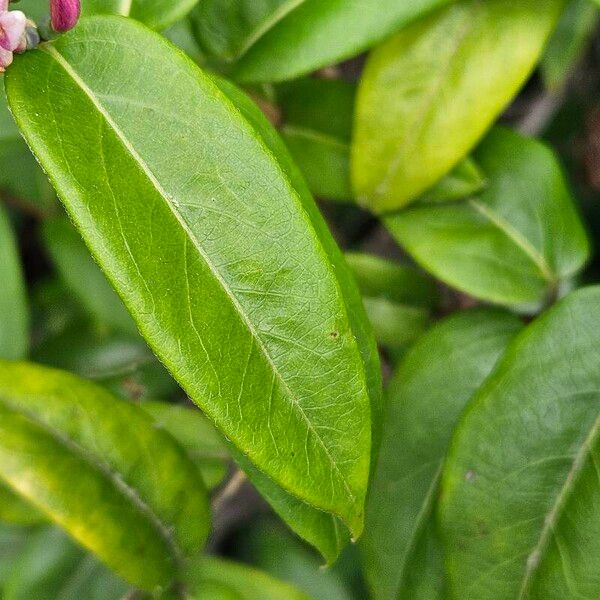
[50, 567]
[157, 14]
[12, 540]
[397, 298]
[16, 511]
[198, 248]
[275, 551]
[21, 180]
[227, 29]
[120, 362]
[428, 94]
[517, 244]
[99, 468]
[568, 43]
[235, 582]
[83, 277]
[317, 34]
[317, 129]
[520, 493]
[466, 179]
[14, 310]
[196, 434]
[429, 390]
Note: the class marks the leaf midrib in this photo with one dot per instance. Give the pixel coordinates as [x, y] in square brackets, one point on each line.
[104, 469]
[553, 516]
[66, 66]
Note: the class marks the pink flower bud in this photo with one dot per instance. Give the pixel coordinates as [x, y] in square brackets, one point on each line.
[12, 28]
[64, 14]
[6, 58]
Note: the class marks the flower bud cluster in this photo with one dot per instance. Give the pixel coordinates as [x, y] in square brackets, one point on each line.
[18, 33]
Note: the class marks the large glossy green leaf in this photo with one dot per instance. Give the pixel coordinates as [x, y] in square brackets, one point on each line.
[520, 504]
[216, 579]
[198, 247]
[317, 128]
[51, 567]
[428, 94]
[398, 299]
[99, 467]
[568, 43]
[83, 277]
[429, 390]
[319, 33]
[14, 311]
[516, 244]
[15, 510]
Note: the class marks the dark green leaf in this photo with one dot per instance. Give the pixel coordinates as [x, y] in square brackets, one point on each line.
[317, 116]
[14, 310]
[428, 94]
[397, 298]
[235, 582]
[425, 399]
[520, 491]
[100, 468]
[568, 43]
[196, 434]
[198, 248]
[273, 550]
[465, 180]
[83, 277]
[518, 243]
[318, 33]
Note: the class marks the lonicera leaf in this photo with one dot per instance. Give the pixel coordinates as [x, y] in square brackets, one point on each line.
[516, 244]
[520, 492]
[83, 277]
[50, 567]
[211, 248]
[15, 510]
[193, 431]
[425, 399]
[568, 43]
[99, 468]
[224, 580]
[21, 178]
[317, 129]
[428, 94]
[226, 29]
[157, 14]
[14, 310]
[318, 33]
[398, 299]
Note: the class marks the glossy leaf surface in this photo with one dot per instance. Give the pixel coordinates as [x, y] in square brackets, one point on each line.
[517, 243]
[15, 510]
[429, 390]
[164, 232]
[520, 493]
[239, 582]
[14, 326]
[428, 94]
[317, 34]
[98, 467]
